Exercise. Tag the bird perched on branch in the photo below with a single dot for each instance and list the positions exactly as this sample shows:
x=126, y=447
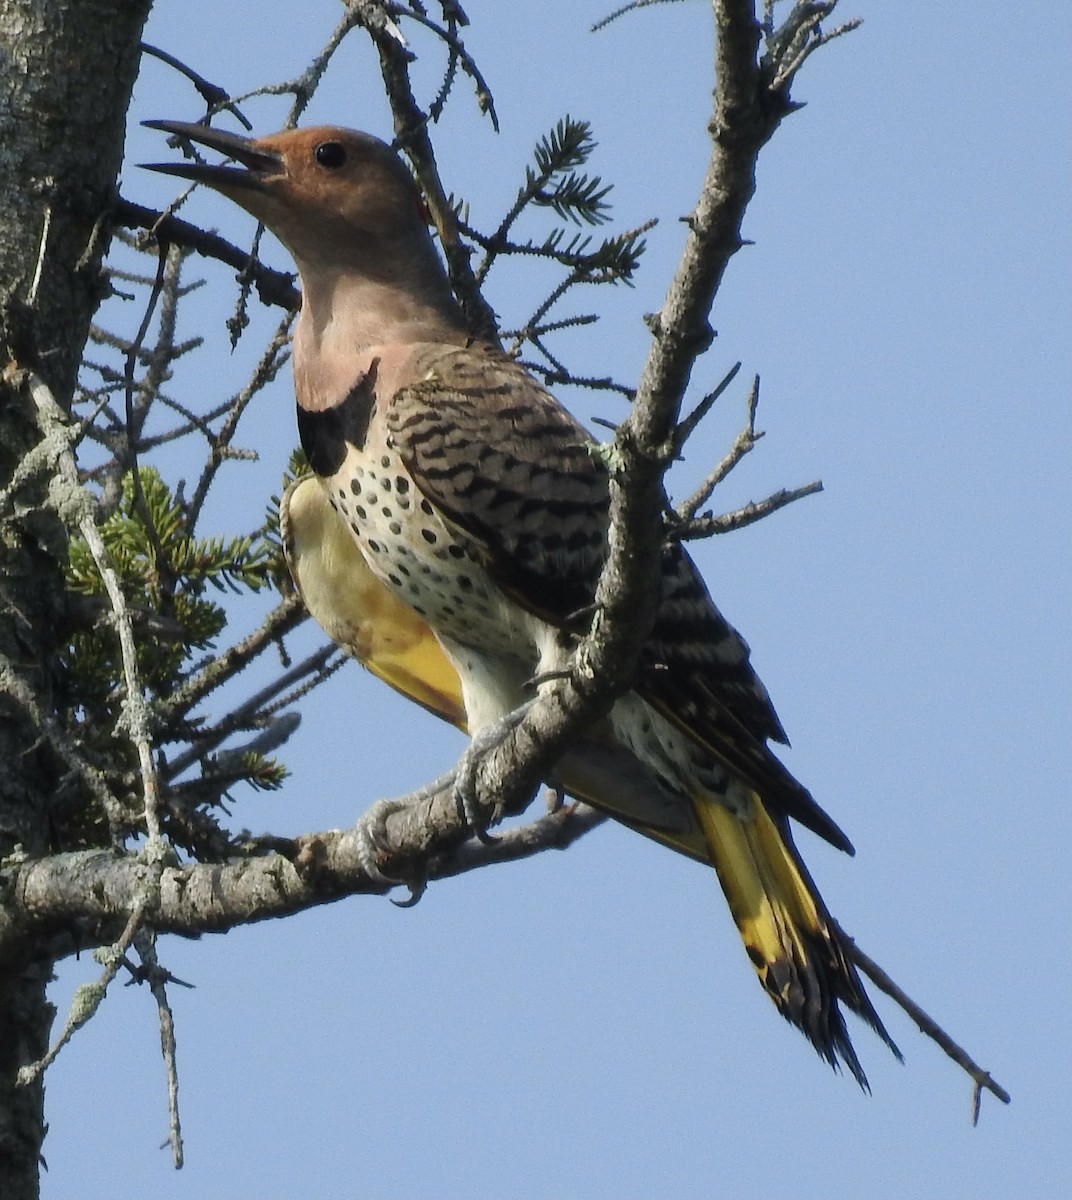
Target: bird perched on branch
x=476, y=516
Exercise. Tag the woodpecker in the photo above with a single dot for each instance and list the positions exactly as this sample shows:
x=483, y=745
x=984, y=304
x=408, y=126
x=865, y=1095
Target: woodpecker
x=473, y=499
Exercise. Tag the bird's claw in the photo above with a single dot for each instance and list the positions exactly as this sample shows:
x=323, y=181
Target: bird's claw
x=465, y=776
x=370, y=834
x=417, y=888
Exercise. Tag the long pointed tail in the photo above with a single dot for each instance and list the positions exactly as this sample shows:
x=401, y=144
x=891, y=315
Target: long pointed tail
x=799, y=957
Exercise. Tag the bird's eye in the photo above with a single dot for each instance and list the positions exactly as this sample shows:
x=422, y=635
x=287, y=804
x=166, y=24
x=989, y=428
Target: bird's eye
x=330, y=155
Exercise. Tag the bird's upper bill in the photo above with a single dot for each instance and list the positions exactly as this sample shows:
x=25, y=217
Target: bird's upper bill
x=258, y=163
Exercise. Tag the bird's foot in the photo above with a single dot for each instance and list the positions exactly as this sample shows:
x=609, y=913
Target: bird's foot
x=371, y=835
x=465, y=792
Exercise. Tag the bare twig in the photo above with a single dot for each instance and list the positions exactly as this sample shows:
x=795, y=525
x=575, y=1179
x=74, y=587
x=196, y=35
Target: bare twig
x=411, y=134
x=303, y=87
x=742, y=445
x=556, y=830
x=603, y=22
x=555, y=375
x=133, y=425
x=283, y=619
x=747, y=514
x=89, y=997
x=275, y=695
x=687, y=425
x=808, y=41
x=213, y=95
x=157, y=978
x=927, y=1025
x=459, y=54
x=275, y=356
x=195, y=422
x=273, y=287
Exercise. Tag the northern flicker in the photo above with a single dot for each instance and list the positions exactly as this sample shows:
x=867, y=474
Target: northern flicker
x=474, y=499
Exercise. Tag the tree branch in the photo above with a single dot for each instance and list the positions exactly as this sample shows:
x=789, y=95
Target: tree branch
x=283, y=619
x=927, y=1025
x=90, y=895
x=157, y=978
x=78, y=503
x=273, y=287
x=747, y=514
x=89, y=997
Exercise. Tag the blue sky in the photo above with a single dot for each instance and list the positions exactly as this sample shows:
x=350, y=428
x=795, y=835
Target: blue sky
x=585, y=1024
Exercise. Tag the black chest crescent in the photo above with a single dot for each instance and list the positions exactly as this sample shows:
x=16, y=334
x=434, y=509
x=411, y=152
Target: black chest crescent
x=324, y=435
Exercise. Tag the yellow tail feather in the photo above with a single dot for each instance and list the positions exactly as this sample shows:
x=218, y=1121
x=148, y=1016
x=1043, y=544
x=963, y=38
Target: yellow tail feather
x=782, y=921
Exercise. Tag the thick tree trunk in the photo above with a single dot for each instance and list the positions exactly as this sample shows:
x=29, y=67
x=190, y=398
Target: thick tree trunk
x=68, y=68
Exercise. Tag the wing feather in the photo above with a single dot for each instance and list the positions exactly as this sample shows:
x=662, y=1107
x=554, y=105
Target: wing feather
x=498, y=455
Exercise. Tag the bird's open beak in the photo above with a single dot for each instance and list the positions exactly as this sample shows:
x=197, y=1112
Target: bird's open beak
x=257, y=165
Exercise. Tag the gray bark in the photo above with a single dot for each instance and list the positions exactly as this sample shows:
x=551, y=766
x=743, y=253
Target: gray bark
x=66, y=71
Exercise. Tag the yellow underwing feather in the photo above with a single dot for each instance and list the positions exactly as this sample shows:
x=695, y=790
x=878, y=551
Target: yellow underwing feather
x=356, y=611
